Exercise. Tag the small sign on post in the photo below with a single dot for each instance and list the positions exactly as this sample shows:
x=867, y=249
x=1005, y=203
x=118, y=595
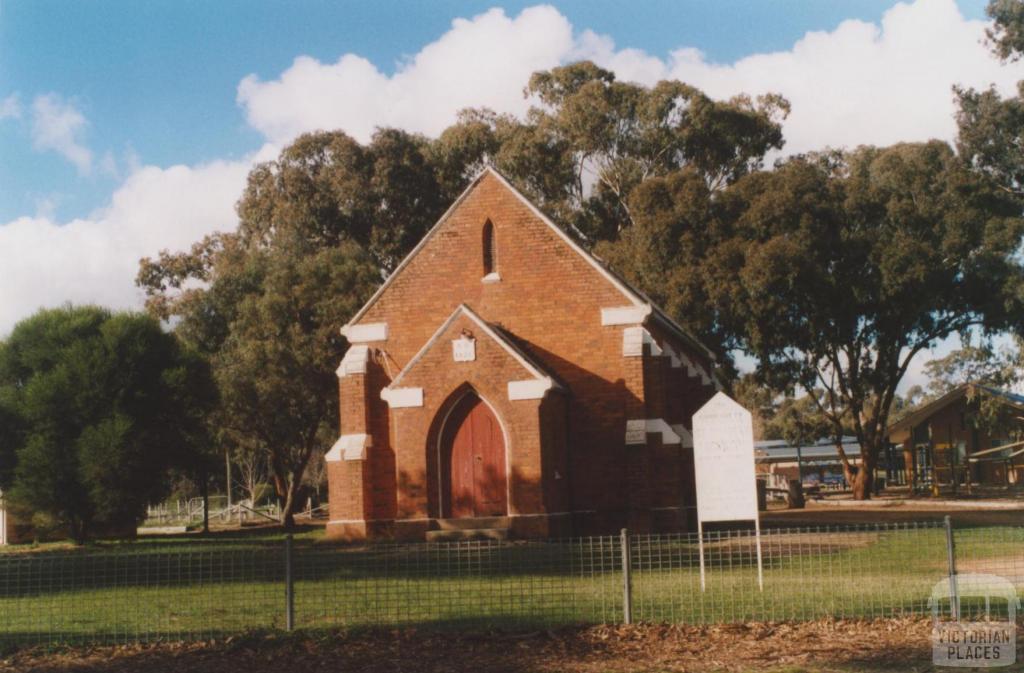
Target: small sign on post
x=723, y=456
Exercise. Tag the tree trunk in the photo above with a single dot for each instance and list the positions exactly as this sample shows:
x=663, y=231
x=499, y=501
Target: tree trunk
x=76, y=529
x=288, y=483
x=204, y=491
x=863, y=480
x=862, y=483
x=795, y=495
x=290, y=502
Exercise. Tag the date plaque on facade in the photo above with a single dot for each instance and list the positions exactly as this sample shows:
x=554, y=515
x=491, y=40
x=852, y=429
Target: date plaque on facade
x=464, y=349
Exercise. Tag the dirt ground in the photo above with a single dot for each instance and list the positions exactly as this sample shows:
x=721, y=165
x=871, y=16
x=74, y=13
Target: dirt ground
x=810, y=647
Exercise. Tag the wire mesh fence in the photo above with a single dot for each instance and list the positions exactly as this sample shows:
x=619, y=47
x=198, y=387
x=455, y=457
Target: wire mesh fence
x=465, y=583
x=139, y=596
x=143, y=593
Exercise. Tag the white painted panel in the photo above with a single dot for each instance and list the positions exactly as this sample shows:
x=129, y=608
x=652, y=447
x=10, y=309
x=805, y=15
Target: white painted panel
x=695, y=369
x=373, y=331
x=635, y=338
x=354, y=362
x=673, y=356
x=649, y=340
x=530, y=389
x=400, y=398
x=685, y=436
x=723, y=451
x=636, y=431
x=633, y=341
x=624, y=315
x=349, y=447
x=668, y=434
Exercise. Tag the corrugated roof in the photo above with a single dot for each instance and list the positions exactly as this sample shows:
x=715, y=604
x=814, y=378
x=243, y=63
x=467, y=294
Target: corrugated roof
x=779, y=450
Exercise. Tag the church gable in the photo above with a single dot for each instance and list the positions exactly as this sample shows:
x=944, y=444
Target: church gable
x=498, y=327
x=464, y=344
x=495, y=251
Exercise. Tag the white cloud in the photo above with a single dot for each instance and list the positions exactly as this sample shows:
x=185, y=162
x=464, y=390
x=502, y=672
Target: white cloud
x=861, y=83
x=484, y=61
x=44, y=263
x=58, y=125
x=10, y=107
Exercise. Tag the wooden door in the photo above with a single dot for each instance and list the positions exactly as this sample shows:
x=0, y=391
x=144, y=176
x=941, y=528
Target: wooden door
x=475, y=450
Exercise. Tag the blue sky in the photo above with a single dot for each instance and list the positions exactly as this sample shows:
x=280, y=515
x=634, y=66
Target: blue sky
x=127, y=128
x=156, y=80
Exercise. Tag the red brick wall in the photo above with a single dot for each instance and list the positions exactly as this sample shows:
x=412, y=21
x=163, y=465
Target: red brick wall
x=549, y=299
x=683, y=395
x=416, y=430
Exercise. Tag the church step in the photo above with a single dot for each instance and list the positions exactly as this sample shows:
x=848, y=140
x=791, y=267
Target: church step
x=465, y=534
x=470, y=523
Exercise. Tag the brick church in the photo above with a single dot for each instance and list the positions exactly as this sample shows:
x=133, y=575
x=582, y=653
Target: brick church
x=503, y=379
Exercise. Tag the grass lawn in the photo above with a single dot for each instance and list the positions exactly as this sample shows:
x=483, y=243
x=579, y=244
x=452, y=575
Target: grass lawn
x=157, y=589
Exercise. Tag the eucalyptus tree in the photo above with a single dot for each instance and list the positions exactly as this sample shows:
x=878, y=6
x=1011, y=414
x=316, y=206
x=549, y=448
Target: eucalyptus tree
x=836, y=270
x=991, y=127
x=316, y=228
x=619, y=134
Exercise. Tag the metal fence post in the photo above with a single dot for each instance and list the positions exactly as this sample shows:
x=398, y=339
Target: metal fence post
x=954, y=593
x=627, y=578
x=289, y=585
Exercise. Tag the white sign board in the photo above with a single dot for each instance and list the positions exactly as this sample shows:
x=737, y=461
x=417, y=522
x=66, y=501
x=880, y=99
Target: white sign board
x=723, y=455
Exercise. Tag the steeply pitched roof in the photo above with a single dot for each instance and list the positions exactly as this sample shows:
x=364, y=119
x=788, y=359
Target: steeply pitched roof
x=633, y=295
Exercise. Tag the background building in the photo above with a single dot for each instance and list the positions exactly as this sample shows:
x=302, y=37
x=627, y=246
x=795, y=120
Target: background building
x=969, y=435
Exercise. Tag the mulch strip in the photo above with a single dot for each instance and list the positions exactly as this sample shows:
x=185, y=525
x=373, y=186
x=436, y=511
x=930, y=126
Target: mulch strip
x=825, y=645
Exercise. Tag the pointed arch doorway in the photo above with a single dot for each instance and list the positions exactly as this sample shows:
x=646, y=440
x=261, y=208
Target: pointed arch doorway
x=473, y=476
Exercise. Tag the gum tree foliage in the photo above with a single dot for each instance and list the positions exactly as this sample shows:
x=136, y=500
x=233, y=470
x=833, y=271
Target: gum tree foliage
x=989, y=367
x=599, y=155
x=835, y=270
x=775, y=415
x=1006, y=36
x=618, y=134
x=991, y=128
x=316, y=227
x=991, y=140
x=272, y=298
x=102, y=406
x=799, y=421
x=982, y=363
x=322, y=224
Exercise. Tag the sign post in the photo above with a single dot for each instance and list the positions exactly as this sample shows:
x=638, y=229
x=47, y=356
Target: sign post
x=723, y=456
